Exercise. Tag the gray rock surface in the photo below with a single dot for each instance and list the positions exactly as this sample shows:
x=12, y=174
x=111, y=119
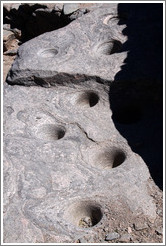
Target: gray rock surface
x=159, y=231
x=140, y=226
x=68, y=172
x=112, y=236
x=83, y=50
x=60, y=168
x=125, y=238
x=69, y=8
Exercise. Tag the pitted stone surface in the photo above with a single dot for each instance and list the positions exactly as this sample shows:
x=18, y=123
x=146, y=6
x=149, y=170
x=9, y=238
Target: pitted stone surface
x=68, y=172
x=52, y=184
x=84, y=49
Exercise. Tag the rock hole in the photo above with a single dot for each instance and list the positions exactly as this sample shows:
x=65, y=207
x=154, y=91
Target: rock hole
x=110, y=158
x=84, y=214
x=127, y=114
x=49, y=53
x=109, y=47
x=88, y=98
x=51, y=132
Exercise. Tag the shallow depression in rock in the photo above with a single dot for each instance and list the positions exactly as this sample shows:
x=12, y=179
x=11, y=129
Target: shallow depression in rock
x=109, y=158
x=51, y=132
x=84, y=214
x=48, y=53
x=88, y=99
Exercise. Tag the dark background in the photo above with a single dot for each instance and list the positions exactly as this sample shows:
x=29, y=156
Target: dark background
x=136, y=95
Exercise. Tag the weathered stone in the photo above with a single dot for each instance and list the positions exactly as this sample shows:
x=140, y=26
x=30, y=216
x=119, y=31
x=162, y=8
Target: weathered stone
x=69, y=8
x=112, y=236
x=125, y=238
x=72, y=51
x=129, y=230
x=96, y=38
x=58, y=6
x=35, y=19
x=7, y=35
x=6, y=26
x=62, y=164
x=78, y=14
x=10, y=52
x=64, y=160
x=140, y=226
x=8, y=38
x=9, y=6
x=159, y=231
x=83, y=240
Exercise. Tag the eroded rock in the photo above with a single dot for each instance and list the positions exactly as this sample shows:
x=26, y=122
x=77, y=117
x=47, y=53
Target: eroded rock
x=53, y=151
x=83, y=50
x=68, y=172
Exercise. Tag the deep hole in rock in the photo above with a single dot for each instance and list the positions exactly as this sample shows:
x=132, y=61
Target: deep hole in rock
x=119, y=158
x=51, y=132
x=128, y=114
x=110, y=158
x=84, y=214
x=109, y=47
x=88, y=98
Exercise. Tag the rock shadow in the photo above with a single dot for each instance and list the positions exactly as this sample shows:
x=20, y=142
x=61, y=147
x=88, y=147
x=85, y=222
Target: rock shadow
x=35, y=19
x=136, y=95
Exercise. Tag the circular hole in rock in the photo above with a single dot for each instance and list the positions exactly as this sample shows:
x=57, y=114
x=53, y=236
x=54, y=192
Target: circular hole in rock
x=84, y=214
x=109, y=47
x=88, y=98
x=110, y=158
x=127, y=114
x=51, y=132
x=48, y=53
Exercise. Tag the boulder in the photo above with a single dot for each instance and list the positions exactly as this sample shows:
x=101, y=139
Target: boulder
x=83, y=50
x=64, y=161
x=68, y=171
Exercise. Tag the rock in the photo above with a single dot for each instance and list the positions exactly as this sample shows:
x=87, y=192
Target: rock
x=7, y=62
x=85, y=222
x=6, y=27
x=159, y=231
x=82, y=240
x=15, y=6
x=69, y=8
x=86, y=240
x=47, y=17
x=103, y=241
x=129, y=230
x=140, y=226
x=112, y=236
x=55, y=151
x=75, y=53
x=160, y=212
x=125, y=238
x=10, y=52
x=64, y=159
x=58, y=7
x=78, y=14
x=8, y=38
x=9, y=6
